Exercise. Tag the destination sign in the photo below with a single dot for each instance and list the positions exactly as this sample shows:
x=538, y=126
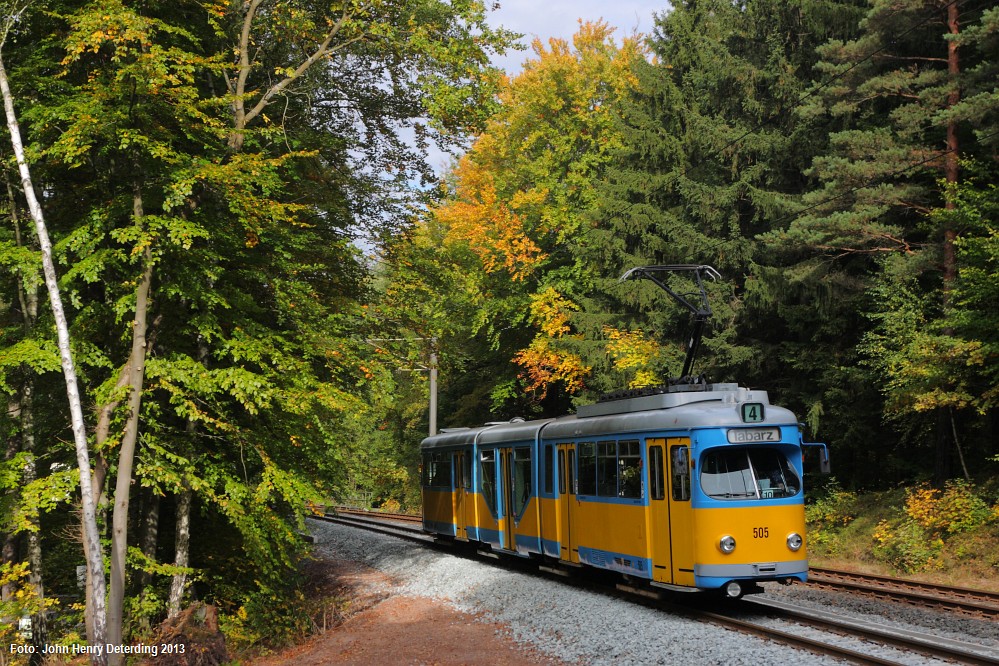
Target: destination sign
x=748, y=435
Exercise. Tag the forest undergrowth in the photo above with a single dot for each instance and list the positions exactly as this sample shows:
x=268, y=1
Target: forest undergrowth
x=944, y=535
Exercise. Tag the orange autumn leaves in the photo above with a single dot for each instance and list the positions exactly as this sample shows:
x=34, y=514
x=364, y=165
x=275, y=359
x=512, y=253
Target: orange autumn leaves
x=543, y=362
x=490, y=227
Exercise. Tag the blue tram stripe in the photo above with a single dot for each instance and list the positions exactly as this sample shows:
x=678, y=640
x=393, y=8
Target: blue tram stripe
x=439, y=527
x=629, y=564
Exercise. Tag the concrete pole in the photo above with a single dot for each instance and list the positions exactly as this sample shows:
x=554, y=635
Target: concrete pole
x=433, y=391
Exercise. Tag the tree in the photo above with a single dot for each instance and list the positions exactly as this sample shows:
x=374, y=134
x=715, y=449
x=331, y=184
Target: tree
x=712, y=162
x=907, y=94
x=212, y=286
x=95, y=562
x=512, y=214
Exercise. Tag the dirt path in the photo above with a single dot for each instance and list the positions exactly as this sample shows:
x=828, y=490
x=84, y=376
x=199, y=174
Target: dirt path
x=384, y=628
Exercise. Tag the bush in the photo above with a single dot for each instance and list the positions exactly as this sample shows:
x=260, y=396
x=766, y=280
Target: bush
x=957, y=509
x=906, y=546
x=23, y=602
x=916, y=540
x=268, y=618
x=829, y=514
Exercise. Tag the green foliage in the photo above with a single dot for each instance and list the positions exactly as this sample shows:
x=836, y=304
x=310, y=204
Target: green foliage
x=42, y=495
x=38, y=355
x=829, y=513
x=907, y=546
x=256, y=375
x=23, y=601
x=924, y=365
x=976, y=205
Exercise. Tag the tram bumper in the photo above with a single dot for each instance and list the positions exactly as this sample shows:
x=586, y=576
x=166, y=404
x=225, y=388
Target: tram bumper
x=711, y=576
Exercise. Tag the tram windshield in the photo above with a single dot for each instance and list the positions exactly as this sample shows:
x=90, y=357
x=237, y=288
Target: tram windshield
x=748, y=473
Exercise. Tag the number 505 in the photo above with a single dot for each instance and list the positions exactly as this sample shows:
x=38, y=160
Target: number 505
x=761, y=532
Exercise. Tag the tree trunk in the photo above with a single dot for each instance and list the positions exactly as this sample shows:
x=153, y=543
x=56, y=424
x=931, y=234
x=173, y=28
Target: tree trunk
x=39, y=625
x=951, y=174
x=182, y=546
x=10, y=541
x=95, y=559
x=182, y=540
x=8, y=553
x=28, y=298
x=951, y=163
x=150, y=536
x=126, y=455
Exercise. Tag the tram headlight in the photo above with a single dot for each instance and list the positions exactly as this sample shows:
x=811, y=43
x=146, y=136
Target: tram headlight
x=794, y=541
x=727, y=544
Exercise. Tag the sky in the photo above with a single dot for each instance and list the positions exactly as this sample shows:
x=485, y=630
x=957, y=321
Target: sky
x=559, y=18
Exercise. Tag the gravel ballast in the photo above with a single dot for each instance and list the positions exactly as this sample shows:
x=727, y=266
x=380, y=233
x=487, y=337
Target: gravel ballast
x=580, y=626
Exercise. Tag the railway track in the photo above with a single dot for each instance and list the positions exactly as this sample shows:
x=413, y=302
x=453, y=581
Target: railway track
x=361, y=520
x=899, y=639
x=832, y=634
x=974, y=603
x=363, y=513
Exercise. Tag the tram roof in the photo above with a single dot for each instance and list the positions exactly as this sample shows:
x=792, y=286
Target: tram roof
x=716, y=406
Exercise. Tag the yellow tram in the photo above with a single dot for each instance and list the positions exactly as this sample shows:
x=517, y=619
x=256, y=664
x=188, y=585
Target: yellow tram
x=698, y=486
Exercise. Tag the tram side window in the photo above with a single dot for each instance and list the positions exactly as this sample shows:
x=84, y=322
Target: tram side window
x=549, y=469
x=561, y=472
x=487, y=472
x=437, y=469
x=629, y=460
x=521, y=479
x=587, y=477
x=607, y=469
x=658, y=488
x=466, y=470
x=681, y=473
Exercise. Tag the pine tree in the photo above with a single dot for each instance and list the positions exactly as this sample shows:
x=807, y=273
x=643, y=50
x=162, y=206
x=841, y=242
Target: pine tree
x=909, y=96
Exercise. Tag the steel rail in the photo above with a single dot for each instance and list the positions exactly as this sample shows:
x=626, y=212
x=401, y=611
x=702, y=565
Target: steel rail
x=355, y=511
x=979, y=603
x=959, y=651
x=381, y=527
x=812, y=645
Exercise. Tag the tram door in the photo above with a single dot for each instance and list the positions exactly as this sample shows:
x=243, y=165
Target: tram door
x=507, y=513
x=462, y=485
x=568, y=505
x=658, y=527
x=681, y=516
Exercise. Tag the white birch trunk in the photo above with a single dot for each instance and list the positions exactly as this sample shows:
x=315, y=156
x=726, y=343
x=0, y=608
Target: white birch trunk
x=92, y=542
